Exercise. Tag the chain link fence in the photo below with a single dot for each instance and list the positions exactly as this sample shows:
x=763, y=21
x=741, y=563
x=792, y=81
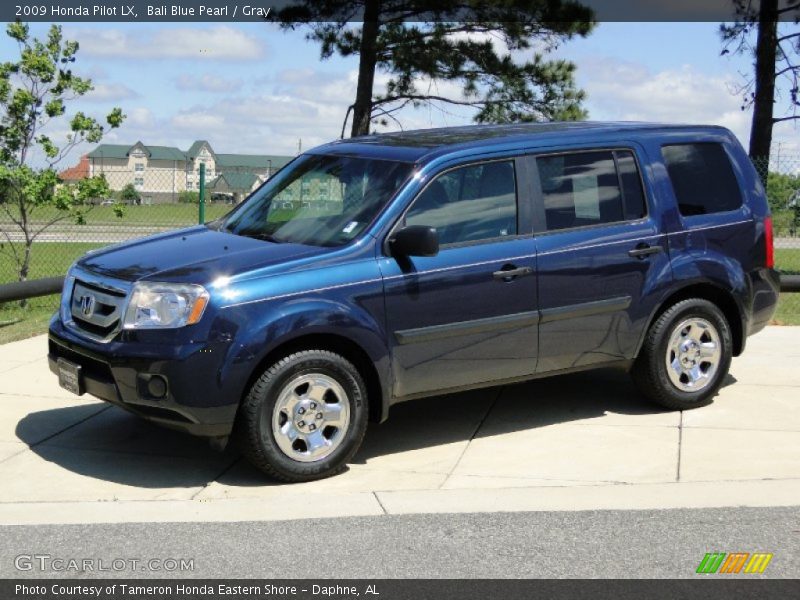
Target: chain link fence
x=141, y=203
x=781, y=177
x=146, y=197
x=160, y=194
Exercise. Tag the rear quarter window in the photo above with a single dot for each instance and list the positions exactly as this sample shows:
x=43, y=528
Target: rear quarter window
x=702, y=178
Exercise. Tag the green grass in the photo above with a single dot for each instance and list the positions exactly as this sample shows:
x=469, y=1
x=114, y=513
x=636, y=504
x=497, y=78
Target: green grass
x=176, y=215
x=18, y=323
x=48, y=259
x=788, y=312
x=787, y=260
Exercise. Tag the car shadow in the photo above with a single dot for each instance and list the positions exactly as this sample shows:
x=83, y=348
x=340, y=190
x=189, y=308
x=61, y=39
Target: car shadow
x=118, y=447
x=585, y=397
x=115, y=446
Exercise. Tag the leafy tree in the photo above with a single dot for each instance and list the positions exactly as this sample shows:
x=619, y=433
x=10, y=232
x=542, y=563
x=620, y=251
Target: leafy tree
x=128, y=194
x=431, y=41
x=781, y=189
x=783, y=192
x=776, y=57
x=34, y=91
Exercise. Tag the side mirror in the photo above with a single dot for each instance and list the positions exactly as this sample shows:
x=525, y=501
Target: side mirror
x=415, y=240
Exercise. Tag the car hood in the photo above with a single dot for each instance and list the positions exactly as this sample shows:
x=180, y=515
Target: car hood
x=194, y=255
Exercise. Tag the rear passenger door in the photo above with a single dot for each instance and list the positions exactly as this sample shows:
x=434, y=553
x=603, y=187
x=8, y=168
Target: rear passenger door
x=601, y=256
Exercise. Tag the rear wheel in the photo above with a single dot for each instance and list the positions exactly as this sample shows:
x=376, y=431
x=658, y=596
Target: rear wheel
x=304, y=417
x=685, y=356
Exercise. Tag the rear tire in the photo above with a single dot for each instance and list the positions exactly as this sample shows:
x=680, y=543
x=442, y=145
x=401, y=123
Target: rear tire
x=304, y=418
x=685, y=356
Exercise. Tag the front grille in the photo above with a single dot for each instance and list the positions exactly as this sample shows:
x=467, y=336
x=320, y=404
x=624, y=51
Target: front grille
x=96, y=310
x=96, y=330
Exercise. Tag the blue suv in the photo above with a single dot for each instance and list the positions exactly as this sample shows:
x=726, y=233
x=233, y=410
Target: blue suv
x=379, y=269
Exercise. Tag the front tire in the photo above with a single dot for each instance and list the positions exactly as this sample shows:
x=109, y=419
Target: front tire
x=304, y=418
x=685, y=356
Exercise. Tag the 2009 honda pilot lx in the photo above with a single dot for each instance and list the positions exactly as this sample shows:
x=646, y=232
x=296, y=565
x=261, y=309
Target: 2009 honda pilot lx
x=378, y=269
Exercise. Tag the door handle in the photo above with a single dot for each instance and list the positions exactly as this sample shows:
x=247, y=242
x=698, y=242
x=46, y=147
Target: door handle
x=644, y=250
x=510, y=272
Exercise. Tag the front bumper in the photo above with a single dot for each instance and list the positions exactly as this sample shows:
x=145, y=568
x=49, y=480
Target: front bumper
x=194, y=401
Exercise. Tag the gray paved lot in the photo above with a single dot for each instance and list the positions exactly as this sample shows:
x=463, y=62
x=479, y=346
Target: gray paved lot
x=617, y=544
x=579, y=442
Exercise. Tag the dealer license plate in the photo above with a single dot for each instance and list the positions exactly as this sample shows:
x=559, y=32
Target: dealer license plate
x=69, y=376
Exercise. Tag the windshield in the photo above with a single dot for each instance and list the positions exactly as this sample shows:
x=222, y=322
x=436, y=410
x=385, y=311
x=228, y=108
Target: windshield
x=320, y=200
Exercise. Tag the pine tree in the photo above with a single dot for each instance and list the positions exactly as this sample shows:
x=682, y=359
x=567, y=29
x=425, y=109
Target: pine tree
x=478, y=44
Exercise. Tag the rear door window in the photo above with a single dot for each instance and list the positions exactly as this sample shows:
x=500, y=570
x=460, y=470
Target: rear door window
x=590, y=188
x=702, y=178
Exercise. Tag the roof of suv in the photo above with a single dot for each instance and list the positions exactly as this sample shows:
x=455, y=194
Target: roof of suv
x=429, y=143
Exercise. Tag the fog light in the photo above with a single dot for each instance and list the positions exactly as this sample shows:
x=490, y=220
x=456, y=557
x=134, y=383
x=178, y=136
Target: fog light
x=157, y=386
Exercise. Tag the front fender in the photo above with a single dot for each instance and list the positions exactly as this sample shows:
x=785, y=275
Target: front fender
x=271, y=325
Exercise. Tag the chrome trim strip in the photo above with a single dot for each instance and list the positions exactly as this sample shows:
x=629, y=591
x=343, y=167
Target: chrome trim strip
x=691, y=229
x=302, y=292
x=600, y=245
x=584, y=309
x=448, y=330
x=460, y=266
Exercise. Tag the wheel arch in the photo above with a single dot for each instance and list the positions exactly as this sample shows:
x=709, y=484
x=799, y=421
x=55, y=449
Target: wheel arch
x=339, y=344
x=715, y=294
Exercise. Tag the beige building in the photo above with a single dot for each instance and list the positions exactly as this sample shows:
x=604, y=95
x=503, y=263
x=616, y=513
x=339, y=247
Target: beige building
x=160, y=173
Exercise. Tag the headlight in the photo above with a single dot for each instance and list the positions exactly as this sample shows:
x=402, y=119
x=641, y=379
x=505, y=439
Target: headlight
x=165, y=305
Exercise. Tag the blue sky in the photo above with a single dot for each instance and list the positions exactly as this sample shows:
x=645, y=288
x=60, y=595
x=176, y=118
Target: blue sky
x=251, y=87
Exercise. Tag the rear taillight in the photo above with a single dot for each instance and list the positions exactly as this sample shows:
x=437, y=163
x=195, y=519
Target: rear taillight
x=770, y=249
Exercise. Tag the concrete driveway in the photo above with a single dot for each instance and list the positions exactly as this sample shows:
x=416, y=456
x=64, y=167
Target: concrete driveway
x=576, y=442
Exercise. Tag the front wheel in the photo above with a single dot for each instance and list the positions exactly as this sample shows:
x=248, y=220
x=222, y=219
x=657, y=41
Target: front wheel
x=685, y=356
x=304, y=418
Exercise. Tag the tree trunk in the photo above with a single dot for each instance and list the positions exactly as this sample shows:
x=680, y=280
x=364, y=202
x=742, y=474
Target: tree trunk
x=24, y=266
x=764, y=101
x=362, y=109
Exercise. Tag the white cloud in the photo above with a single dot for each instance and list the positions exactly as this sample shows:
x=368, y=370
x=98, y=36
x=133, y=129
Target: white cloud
x=207, y=83
x=139, y=117
x=291, y=105
x=268, y=123
x=110, y=92
x=220, y=42
x=629, y=91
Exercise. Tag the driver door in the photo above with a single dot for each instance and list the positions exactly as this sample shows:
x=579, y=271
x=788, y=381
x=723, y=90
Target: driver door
x=468, y=315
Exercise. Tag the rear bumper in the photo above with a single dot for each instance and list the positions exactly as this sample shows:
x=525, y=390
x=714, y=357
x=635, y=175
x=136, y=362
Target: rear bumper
x=766, y=289
x=122, y=381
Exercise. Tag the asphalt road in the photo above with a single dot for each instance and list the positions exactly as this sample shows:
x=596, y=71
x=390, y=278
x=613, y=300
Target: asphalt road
x=607, y=544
